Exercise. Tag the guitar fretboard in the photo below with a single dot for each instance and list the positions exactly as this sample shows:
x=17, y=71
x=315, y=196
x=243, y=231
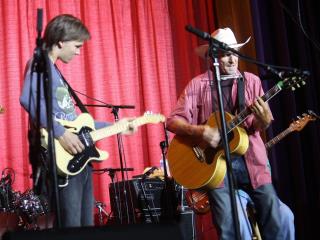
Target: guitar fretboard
x=277, y=139
x=119, y=127
x=109, y=131
x=237, y=120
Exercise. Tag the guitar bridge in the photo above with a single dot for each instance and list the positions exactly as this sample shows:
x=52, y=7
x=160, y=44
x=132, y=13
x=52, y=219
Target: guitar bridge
x=199, y=154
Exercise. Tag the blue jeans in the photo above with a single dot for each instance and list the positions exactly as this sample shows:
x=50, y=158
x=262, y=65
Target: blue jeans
x=77, y=201
x=265, y=199
x=286, y=218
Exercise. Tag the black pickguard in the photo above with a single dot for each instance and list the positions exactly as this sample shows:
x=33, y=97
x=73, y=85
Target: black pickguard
x=90, y=152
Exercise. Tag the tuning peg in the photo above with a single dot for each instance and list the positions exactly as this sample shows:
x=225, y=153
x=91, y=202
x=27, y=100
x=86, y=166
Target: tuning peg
x=313, y=114
x=303, y=83
x=298, y=117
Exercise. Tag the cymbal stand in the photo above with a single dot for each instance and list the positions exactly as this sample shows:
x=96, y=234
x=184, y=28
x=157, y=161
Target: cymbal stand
x=101, y=212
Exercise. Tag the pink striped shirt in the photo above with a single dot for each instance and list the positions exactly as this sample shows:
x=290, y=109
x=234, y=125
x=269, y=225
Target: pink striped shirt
x=194, y=105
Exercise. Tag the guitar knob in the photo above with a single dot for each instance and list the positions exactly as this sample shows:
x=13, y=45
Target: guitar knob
x=293, y=88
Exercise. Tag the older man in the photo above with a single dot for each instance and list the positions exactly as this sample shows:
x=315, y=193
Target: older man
x=188, y=120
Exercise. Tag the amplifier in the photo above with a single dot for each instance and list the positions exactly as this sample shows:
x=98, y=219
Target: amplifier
x=140, y=200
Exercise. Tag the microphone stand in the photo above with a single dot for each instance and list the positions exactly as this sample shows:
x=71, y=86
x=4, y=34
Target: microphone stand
x=41, y=64
x=168, y=191
x=213, y=52
x=214, y=46
x=115, y=111
x=117, y=203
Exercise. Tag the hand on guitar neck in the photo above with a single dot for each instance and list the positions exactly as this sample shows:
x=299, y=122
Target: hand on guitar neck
x=262, y=113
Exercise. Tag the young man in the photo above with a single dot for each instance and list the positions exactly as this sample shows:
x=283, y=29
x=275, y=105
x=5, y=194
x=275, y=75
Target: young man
x=188, y=120
x=63, y=38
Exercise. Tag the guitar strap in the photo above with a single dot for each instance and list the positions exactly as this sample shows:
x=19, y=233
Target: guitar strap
x=63, y=181
x=241, y=103
x=74, y=95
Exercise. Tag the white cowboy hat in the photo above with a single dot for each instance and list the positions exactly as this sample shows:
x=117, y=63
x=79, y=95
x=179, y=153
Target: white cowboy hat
x=224, y=35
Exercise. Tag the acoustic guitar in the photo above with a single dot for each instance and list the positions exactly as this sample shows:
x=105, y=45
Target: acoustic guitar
x=83, y=126
x=198, y=200
x=201, y=166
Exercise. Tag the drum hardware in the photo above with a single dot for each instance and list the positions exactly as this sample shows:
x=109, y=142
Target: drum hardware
x=102, y=213
x=27, y=205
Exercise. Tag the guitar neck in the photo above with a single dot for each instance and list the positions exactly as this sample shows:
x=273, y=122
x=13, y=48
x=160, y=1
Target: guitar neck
x=277, y=139
x=118, y=127
x=108, y=131
x=237, y=120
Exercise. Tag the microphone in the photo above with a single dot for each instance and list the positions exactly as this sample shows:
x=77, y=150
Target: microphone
x=38, y=61
x=39, y=20
x=207, y=37
x=203, y=35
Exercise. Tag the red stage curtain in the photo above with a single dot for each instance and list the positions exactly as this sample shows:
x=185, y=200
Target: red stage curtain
x=129, y=60
x=139, y=55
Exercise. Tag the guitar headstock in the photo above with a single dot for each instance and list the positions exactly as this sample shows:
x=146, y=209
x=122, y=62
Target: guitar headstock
x=294, y=81
x=299, y=124
x=153, y=118
x=1, y=109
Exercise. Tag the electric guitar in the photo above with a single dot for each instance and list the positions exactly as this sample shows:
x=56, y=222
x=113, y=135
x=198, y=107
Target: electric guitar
x=197, y=166
x=198, y=200
x=83, y=126
x=297, y=125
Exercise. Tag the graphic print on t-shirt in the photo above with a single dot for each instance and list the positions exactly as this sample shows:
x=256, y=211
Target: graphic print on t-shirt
x=65, y=104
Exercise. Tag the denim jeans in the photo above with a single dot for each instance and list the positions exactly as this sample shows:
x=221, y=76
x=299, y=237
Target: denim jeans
x=265, y=200
x=286, y=218
x=77, y=201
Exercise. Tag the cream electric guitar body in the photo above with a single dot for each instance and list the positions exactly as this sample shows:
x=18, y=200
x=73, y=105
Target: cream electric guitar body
x=83, y=126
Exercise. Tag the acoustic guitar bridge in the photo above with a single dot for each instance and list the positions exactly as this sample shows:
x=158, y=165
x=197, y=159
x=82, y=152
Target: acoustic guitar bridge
x=198, y=152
